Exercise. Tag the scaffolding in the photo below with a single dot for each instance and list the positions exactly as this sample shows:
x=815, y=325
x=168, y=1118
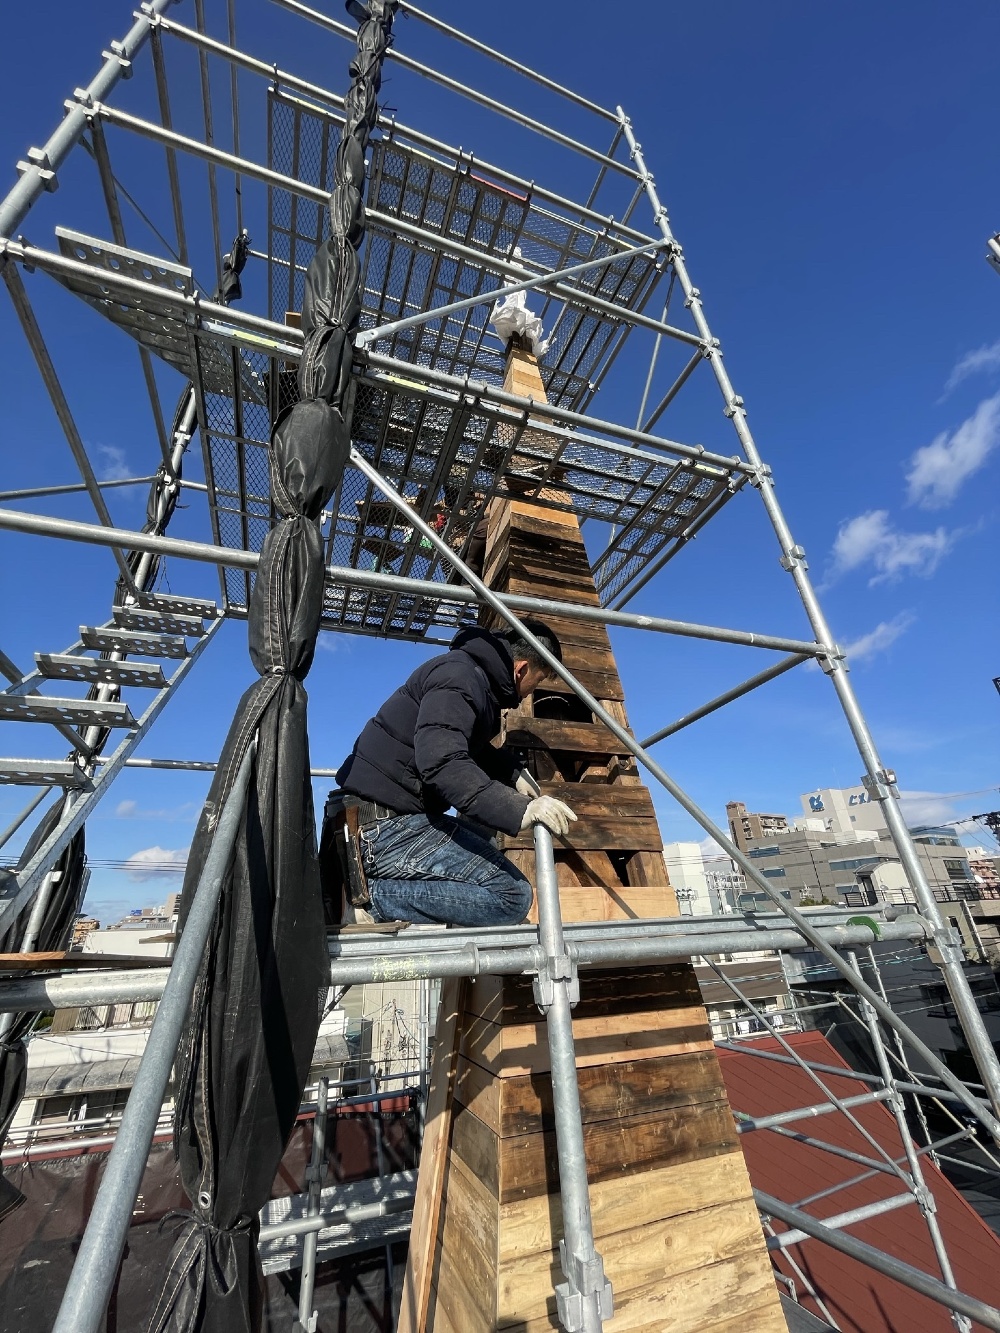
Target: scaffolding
x=436, y=440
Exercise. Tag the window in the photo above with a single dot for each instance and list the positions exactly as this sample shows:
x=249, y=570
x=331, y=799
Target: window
x=958, y=870
x=764, y=851
x=773, y=872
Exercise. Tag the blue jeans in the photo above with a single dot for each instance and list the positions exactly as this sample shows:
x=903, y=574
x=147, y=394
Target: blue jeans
x=433, y=868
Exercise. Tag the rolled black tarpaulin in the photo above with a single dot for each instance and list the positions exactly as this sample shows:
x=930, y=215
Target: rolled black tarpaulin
x=247, y=1046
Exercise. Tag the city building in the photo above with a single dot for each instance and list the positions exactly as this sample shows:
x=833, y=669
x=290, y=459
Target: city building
x=842, y=810
x=985, y=867
x=686, y=868
x=746, y=827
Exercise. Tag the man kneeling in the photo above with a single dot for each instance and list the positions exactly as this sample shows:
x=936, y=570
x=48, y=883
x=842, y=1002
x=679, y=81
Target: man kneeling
x=428, y=749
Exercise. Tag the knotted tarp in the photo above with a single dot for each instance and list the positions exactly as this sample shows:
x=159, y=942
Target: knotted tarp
x=249, y=1039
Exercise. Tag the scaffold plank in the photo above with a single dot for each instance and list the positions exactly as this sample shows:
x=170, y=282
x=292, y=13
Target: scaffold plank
x=135, y=644
x=72, y=712
x=67, y=666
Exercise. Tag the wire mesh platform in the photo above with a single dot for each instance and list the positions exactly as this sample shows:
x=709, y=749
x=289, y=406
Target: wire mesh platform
x=440, y=230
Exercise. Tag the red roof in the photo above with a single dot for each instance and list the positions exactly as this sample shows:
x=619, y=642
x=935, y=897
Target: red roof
x=860, y=1300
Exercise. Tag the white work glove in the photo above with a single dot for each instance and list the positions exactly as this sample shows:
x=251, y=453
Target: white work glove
x=526, y=784
x=555, y=815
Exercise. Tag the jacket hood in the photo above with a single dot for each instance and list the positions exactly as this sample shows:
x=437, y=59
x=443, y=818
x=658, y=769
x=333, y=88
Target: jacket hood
x=493, y=654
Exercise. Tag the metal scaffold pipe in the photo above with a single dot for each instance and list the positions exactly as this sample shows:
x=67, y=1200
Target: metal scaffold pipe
x=752, y=872
x=478, y=957
x=879, y=781
x=233, y=558
x=585, y=1300
x=92, y=1279
x=39, y=171
x=911, y=1277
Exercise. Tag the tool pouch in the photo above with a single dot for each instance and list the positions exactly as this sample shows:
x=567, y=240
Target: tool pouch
x=342, y=870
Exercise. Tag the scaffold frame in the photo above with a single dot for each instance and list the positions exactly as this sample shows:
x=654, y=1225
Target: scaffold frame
x=435, y=437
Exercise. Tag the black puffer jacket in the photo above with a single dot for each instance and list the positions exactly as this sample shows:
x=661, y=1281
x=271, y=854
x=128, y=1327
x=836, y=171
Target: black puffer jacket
x=428, y=746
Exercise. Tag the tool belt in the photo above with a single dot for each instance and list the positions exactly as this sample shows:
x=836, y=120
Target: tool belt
x=342, y=868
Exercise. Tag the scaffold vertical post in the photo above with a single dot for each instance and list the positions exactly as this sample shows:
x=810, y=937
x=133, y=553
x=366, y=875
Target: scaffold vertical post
x=585, y=1299
x=879, y=781
x=315, y=1175
x=925, y=1199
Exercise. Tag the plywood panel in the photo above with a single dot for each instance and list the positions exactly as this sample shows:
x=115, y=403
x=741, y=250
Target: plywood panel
x=736, y=1290
x=527, y=1225
x=637, y=1258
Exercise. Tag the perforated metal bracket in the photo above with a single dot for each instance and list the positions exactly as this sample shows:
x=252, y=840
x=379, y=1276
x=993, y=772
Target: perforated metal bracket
x=586, y=1286
x=558, y=969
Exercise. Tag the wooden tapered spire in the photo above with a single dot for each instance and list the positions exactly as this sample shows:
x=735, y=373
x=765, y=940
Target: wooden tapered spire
x=673, y=1212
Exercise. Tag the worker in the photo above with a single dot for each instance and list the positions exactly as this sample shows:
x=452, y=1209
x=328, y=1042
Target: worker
x=426, y=750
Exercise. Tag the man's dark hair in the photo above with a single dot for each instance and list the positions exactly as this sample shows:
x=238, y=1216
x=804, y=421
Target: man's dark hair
x=524, y=651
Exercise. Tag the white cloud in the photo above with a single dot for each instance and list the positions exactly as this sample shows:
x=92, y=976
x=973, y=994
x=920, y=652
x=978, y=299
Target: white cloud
x=132, y=810
x=871, y=539
x=938, y=470
x=927, y=807
x=112, y=464
x=877, y=640
x=155, y=863
x=982, y=360
x=710, y=849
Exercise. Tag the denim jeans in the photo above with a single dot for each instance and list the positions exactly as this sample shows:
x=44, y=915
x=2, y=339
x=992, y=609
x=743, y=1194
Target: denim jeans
x=434, y=868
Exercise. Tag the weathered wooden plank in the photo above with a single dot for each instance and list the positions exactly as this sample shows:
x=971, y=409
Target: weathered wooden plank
x=543, y=733
x=527, y=586
x=604, y=992
x=636, y=1258
x=527, y=1165
x=455, y=1305
x=523, y=1104
x=469, y=1229
x=624, y=833
x=433, y=1158
x=635, y=1038
x=613, y=800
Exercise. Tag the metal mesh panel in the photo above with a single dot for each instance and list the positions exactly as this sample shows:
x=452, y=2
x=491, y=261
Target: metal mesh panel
x=402, y=278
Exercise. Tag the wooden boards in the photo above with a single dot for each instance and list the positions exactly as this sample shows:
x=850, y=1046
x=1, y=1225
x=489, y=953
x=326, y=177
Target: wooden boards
x=673, y=1211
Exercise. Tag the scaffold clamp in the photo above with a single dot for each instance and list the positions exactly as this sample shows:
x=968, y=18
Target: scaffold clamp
x=558, y=968
x=586, y=1285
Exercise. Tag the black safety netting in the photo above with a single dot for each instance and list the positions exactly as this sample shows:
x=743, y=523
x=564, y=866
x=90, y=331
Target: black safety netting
x=246, y=1049
x=63, y=891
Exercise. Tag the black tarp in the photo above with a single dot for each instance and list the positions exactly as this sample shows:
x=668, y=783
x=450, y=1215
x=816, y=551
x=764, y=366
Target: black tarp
x=247, y=1044
x=64, y=900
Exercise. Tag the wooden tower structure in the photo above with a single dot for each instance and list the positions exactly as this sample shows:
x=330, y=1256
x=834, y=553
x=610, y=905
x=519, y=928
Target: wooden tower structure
x=674, y=1216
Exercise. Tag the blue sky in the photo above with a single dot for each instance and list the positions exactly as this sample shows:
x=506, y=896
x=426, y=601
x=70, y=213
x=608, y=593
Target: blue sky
x=831, y=173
